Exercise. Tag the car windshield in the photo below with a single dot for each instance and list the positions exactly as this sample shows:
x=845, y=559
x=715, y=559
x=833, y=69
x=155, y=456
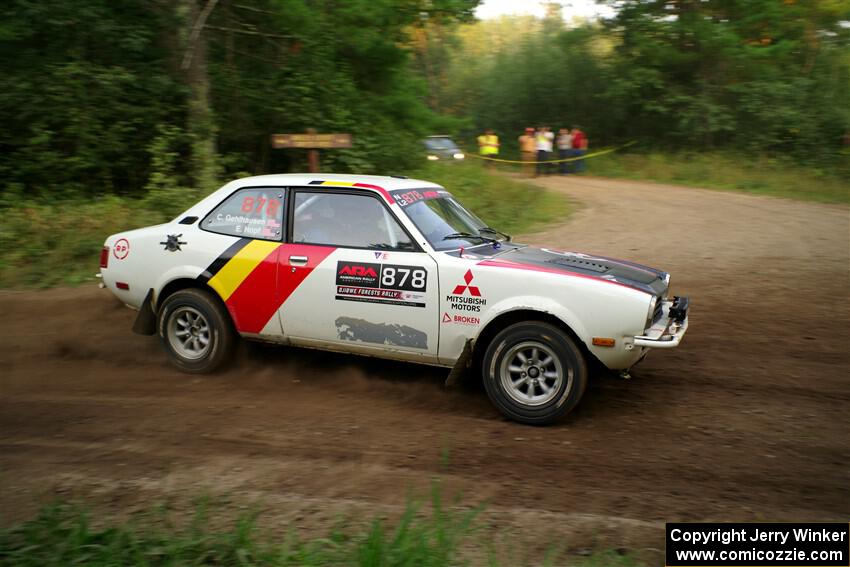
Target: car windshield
x=444, y=222
x=440, y=144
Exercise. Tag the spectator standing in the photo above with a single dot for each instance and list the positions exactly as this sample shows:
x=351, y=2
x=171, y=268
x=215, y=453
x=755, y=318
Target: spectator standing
x=544, y=139
x=527, y=148
x=565, y=147
x=579, y=148
x=488, y=145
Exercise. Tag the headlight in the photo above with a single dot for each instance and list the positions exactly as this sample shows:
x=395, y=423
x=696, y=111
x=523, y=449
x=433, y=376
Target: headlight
x=432, y=158
x=458, y=156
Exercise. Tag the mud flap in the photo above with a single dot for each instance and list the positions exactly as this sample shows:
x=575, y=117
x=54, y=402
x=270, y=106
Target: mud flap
x=145, y=323
x=461, y=365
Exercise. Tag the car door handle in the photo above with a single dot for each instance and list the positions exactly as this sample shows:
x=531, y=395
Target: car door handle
x=298, y=260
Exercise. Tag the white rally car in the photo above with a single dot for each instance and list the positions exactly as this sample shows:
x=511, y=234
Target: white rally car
x=394, y=268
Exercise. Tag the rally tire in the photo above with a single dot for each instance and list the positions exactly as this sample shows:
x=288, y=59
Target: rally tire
x=534, y=373
x=196, y=331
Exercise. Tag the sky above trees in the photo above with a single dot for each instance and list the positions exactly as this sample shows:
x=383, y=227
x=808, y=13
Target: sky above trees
x=582, y=9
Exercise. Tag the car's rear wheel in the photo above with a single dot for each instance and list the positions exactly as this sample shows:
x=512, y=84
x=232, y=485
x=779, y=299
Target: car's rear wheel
x=534, y=373
x=196, y=331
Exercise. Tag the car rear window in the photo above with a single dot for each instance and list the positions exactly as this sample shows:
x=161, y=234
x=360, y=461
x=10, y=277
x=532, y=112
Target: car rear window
x=253, y=212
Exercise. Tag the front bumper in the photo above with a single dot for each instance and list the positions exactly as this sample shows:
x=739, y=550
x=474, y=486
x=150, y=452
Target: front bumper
x=670, y=328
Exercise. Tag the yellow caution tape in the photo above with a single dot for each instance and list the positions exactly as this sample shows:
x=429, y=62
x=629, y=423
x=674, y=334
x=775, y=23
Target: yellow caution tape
x=586, y=156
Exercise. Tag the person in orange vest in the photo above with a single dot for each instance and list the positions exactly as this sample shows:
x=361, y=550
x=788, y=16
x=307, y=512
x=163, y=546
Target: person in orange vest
x=488, y=145
x=528, y=150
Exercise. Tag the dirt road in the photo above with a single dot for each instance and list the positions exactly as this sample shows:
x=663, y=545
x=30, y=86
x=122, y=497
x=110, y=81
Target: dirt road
x=747, y=420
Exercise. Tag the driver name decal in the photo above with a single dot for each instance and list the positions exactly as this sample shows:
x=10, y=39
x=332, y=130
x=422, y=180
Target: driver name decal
x=381, y=283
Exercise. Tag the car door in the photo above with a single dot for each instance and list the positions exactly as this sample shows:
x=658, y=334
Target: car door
x=363, y=284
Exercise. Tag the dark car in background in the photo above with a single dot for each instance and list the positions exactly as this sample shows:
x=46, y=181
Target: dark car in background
x=442, y=148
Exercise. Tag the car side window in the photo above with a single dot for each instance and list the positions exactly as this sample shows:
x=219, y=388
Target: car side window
x=254, y=212
x=346, y=220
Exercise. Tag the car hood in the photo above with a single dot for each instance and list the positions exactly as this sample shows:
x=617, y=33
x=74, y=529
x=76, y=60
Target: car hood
x=623, y=272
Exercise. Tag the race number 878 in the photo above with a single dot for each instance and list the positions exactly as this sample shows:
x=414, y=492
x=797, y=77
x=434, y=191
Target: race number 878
x=408, y=278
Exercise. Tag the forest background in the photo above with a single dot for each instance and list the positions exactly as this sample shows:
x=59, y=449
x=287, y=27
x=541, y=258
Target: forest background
x=114, y=114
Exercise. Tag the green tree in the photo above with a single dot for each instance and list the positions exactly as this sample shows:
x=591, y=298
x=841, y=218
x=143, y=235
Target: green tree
x=754, y=74
x=84, y=86
x=288, y=65
x=91, y=87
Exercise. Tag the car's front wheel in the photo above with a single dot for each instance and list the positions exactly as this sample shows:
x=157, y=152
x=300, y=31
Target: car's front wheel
x=534, y=373
x=196, y=331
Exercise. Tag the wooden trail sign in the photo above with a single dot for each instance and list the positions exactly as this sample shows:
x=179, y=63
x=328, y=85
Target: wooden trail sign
x=312, y=141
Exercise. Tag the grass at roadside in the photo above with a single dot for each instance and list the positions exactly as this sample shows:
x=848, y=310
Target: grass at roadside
x=65, y=535
x=48, y=244
x=42, y=245
x=763, y=176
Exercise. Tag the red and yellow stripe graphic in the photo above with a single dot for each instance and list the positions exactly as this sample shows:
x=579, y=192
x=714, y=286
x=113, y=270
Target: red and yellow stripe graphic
x=231, y=276
x=254, y=282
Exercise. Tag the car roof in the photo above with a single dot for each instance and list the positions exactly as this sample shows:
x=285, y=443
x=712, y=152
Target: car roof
x=381, y=184
x=386, y=182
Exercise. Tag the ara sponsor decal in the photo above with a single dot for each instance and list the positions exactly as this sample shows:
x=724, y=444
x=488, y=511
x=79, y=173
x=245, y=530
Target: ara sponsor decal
x=359, y=274
x=461, y=319
x=381, y=283
x=121, y=249
x=466, y=297
x=358, y=271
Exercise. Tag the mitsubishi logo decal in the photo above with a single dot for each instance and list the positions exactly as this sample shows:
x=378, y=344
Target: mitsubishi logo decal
x=473, y=290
